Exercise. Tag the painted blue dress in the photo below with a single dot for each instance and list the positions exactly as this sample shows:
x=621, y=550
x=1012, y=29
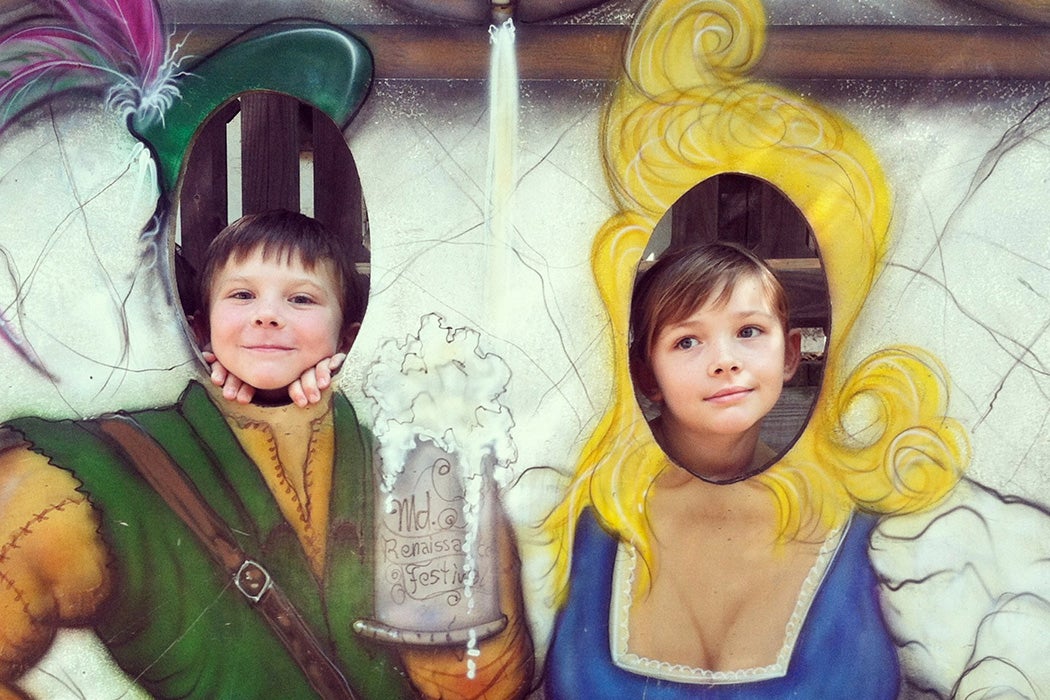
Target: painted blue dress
x=842, y=650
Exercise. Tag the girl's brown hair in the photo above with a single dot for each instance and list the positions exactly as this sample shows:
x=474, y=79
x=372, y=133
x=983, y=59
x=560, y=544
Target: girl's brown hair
x=687, y=278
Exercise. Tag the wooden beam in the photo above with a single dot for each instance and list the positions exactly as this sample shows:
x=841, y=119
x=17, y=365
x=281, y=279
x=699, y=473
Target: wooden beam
x=595, y=52
x=545, y=52
x=951, y=53
x=423, y=52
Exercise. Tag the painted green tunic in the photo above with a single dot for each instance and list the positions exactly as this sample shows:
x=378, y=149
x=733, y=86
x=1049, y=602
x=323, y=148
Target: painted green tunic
x=175, y=623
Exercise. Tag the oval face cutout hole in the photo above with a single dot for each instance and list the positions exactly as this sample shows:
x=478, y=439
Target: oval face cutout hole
x=263, y=151
x=754, y=214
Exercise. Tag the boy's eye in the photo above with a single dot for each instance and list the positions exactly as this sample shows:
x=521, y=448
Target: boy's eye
x=750, y=332
x=301, y=299
x=686, y=343
x=241, y=294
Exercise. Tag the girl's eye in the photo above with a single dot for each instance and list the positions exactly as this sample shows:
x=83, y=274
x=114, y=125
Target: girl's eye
x=750, y=332
x=301, y=299
x=241, y=294
x=686, y=343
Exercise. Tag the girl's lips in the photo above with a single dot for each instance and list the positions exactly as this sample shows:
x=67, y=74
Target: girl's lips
x=728, y=393
x=267, y=348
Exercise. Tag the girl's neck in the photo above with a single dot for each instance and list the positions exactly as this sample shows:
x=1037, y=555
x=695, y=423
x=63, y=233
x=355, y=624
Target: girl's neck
x=717, y=459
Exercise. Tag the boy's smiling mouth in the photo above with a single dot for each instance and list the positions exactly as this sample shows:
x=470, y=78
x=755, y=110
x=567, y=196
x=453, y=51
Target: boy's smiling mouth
x=268, y=348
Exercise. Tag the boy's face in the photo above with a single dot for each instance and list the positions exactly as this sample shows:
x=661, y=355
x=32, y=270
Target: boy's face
x=719, y=371
x=269, y=320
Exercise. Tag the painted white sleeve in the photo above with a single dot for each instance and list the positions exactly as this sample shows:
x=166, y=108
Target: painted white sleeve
x=965, y=591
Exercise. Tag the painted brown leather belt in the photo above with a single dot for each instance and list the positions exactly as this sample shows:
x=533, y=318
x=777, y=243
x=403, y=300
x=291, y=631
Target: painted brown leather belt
x=247, y=575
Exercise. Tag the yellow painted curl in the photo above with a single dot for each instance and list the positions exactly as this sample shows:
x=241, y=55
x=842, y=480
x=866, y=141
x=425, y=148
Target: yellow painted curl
x=686, y=111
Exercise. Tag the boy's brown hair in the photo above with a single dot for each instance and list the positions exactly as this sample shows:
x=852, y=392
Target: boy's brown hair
x=282, y=235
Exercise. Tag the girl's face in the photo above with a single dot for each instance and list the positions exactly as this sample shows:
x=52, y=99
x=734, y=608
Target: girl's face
x=272, y=319
x=720, y=370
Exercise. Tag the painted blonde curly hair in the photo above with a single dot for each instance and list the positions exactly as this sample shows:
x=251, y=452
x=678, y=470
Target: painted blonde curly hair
x=879, y=438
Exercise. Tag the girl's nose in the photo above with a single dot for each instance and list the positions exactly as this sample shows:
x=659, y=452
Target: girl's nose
x=721, y=368
x=723, y=361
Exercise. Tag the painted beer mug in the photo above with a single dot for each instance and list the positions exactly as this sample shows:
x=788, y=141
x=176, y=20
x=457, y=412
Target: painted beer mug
x=443, y=443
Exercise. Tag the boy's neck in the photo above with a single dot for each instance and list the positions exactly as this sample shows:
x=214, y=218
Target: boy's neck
x=271, y=397
x=263, y=404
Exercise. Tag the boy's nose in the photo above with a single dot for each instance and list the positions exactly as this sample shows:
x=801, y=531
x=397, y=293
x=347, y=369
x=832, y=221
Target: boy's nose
x=267, y=317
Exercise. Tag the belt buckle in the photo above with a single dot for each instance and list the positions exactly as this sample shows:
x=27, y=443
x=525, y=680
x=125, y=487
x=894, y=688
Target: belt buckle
x=252, y=580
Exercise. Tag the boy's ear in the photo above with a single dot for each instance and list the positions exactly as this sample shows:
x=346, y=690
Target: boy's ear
x=348, y=337
x=792, y=352
x=199, y=326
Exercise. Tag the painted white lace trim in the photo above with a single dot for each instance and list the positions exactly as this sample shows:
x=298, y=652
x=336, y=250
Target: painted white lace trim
x=623, y=584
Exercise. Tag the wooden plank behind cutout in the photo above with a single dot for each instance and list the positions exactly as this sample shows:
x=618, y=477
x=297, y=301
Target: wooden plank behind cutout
x=269, y=152
x=203, y=201
x=337, y=189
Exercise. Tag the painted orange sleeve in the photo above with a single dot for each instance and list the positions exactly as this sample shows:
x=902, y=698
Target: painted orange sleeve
x=9, y=693
x=53, y=569
x=504, y=668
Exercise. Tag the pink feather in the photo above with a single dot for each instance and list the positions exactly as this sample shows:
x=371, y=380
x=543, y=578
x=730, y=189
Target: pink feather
x=28, y=55
x=129, y=32
x=15, y=342
x=119, y=43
